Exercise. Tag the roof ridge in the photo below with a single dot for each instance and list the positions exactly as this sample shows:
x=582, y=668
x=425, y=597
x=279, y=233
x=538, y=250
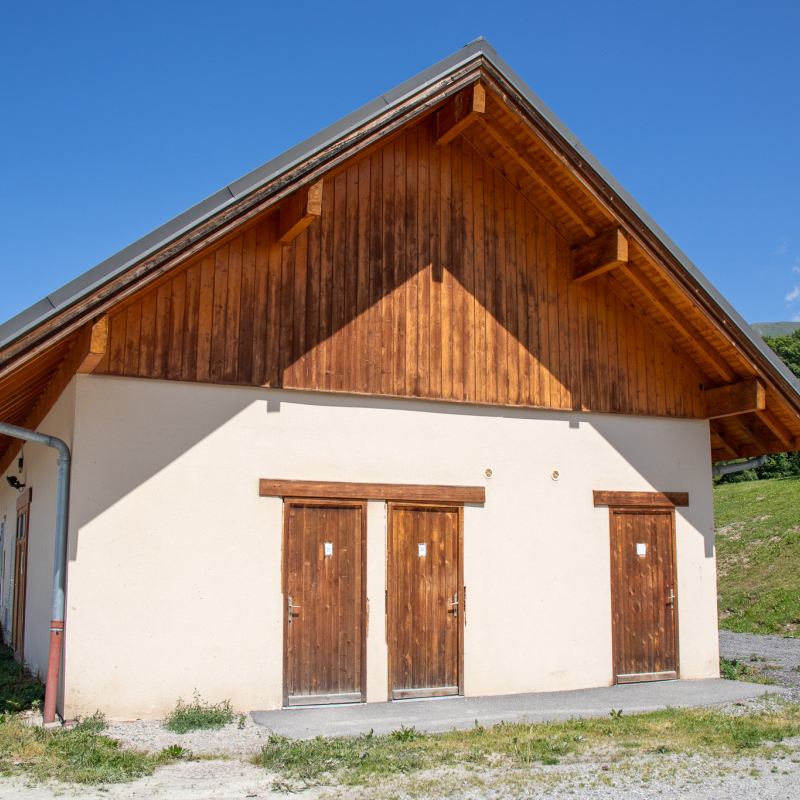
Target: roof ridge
x=106, y=270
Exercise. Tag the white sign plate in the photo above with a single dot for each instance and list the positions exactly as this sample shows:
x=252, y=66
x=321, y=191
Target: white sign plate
x=641, y=549
x=423, y=550
x=328, y=548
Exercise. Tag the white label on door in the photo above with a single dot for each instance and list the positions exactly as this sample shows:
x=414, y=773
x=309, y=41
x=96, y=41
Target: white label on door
x=423, y=549
x=641, y=549
x=328, y=548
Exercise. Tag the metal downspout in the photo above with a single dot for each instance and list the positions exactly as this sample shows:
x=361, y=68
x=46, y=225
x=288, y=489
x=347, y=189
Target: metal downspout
x=741, y=466
x=59, y=558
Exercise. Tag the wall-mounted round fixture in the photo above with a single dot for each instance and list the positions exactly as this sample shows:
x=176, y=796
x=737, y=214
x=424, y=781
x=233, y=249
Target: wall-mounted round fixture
x=555, y=474
x=488, y=472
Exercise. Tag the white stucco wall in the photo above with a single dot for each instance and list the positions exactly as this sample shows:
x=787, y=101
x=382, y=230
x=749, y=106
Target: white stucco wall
x=174, y=576
x=40, y=472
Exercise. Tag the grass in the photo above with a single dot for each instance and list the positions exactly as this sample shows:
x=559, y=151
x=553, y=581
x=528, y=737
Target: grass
x=199, y=715
x=758, y=556
x=81, y=755
x=361, y=760
x=734, y=670
x=19, y=689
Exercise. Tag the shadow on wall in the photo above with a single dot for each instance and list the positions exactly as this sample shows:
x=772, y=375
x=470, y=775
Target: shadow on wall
x=137, y=444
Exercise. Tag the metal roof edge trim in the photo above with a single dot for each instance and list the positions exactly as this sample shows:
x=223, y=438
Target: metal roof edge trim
x=155, y=240
x=140, y=249
x=714, y=294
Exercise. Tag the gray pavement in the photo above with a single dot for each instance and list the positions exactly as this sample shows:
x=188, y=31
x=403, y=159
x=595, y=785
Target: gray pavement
x=446, y=713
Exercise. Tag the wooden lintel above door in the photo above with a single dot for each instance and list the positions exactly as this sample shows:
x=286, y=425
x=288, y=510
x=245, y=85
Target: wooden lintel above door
x=398, y=492
x=641, y=499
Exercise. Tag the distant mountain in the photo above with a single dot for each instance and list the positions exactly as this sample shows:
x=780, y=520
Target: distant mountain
x=775, y=328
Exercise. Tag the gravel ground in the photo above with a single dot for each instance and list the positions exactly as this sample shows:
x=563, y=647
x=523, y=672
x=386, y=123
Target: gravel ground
x=764, y=653
x=667, y=777
x=229, y=740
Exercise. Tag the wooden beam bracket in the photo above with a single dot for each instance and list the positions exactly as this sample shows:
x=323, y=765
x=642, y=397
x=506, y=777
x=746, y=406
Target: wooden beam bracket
x=98, y=343
x=299, y=211
x=607, y=251
x=458, y=113
x=735, y=398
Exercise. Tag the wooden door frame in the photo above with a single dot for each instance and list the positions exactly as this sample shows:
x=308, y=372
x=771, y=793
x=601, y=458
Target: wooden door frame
x=18, y=643
x=321, y=502
x=635, y=508
x=462, y=590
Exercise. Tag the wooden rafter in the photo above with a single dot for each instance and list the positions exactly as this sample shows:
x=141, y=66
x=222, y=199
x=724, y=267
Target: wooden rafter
x=599, y=255
x=755, y=437
x=735, y=398
x=459, y=112
x=777, y=427
x=604, y=200
x=505, y=140
x=679, y=320
x=77, y=356
x=651, y=323
x=730, y=447
x=498, y=165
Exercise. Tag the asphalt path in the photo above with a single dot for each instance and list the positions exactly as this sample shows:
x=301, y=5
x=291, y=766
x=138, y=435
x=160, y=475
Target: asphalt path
x=446, y=713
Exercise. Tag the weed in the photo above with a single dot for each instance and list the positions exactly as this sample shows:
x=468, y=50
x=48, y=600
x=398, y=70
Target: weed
x=409, y=734
x=94, y=724
x=615, y=714
x=175, y=753
x=19, y=689
x=242, y=720
x=198, y=715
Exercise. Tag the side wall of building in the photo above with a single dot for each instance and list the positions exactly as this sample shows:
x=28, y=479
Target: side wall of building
x=40, y=473
x=175, y=560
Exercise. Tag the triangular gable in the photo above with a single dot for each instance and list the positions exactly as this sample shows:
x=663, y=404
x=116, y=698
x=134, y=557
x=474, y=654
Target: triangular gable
x=464, y=246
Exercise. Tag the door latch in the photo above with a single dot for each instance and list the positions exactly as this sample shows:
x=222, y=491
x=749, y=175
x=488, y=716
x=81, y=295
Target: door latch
x=290, y=609
x=453, y=607
x=671, y=598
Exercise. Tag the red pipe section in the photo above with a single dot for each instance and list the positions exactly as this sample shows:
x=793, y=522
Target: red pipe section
x=53, y=663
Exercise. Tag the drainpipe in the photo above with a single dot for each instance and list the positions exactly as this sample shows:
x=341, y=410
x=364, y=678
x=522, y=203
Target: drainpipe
x=740, y=466
x=59, y=558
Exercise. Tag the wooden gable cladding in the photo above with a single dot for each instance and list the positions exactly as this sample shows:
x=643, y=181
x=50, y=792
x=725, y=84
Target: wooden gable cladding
x=428, y=274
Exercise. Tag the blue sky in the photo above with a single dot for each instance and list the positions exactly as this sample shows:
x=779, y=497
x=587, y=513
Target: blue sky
x=116, y=117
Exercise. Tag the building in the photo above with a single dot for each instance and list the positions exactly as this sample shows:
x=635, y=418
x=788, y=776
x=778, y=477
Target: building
x=427, y=405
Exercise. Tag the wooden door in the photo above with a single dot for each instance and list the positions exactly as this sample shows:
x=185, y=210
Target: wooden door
x=425, y=609
x=20, y=573
x=324, y=602
x=643, y=595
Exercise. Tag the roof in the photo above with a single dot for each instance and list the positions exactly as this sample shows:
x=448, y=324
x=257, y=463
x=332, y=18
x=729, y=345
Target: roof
x=72, y=292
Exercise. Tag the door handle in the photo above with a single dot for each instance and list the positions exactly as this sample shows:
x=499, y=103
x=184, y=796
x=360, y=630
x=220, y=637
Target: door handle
x=452, y=608
x=290, y=608
x=671, y=599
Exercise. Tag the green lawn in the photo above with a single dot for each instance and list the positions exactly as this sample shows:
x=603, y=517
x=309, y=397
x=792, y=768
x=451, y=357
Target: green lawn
x=758, y=555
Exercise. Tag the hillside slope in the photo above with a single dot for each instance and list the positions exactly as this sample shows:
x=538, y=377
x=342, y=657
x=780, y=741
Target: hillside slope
x=775, y=328
x=758, y=555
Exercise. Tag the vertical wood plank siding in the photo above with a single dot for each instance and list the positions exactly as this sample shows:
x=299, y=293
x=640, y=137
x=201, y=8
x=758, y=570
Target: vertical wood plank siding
x=427, y=275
